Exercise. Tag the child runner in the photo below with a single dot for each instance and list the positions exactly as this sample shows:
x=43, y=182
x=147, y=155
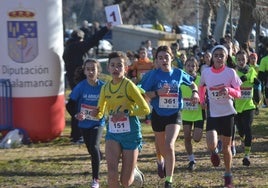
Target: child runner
x=192, y=115
x=245, y=106
x=123, y=102
x=207, y=61
x=83, y=99
x=263, y=75
x=257, y=94
x=162, y=85
x=222, y=84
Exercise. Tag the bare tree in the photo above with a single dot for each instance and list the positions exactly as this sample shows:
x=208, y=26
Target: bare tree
x=222, y=18
x=260, y=15
x=246, y=21
x=206, y=22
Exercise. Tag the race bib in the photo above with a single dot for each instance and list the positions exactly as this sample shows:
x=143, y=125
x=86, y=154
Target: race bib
x=214, y=93
x=121, y=126
x=246, y=93
x=87, y=109
x=188, y=105
x=169, y=101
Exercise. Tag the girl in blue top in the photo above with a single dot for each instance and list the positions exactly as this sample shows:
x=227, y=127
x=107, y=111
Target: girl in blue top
x=83, y=99
x=162, y=85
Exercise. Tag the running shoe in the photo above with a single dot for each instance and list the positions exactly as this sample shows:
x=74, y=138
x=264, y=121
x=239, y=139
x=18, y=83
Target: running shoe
x=138, y=178
x=215, y=159
x=191, y=166
x=140, y=172
x=228, y=182
x=161, y=169
x=95, y=183
x=246, y=161
x=168, y=184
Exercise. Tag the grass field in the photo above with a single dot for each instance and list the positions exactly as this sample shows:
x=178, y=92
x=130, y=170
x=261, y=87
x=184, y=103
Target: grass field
x=62, y=164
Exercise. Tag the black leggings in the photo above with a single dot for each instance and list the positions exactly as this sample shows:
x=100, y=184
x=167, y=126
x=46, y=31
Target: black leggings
x=92, y=138
x=244, y=121
x=75, y=131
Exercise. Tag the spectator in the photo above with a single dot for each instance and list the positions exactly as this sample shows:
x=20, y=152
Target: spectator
x=95, y=29
x=158, y=26
x=86, y=29
x=149, y=48
x=176, y=28
x=177, y=61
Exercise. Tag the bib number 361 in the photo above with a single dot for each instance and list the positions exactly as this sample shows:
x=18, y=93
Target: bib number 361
x=169, y=101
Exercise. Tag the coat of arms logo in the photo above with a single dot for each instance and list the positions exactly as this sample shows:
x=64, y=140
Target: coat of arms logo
x=22, y=36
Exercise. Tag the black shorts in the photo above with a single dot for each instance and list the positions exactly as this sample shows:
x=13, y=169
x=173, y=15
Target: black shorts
x=223, y=125
x=197, y=124
x=159, y=123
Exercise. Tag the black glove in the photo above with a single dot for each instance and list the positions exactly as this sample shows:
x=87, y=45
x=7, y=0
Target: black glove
x=256, y=81
x=243, y=78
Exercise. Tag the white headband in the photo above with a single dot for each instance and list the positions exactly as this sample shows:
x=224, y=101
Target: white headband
x=219, y=47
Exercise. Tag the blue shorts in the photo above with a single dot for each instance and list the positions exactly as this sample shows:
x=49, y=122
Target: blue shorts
x=130, y=140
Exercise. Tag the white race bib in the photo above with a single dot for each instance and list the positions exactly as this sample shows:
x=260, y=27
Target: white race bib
x=214, y=93
x=169, y=101
x=87, y=109
x=246, y=93
x=121, y=126
x=188, y=105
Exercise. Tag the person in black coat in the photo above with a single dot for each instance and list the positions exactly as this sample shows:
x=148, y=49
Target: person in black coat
x=76, y=47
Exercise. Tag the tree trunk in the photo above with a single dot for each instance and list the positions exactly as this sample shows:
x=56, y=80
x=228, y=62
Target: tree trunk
x=246, y=21
x=206, y=22
x=222, y=18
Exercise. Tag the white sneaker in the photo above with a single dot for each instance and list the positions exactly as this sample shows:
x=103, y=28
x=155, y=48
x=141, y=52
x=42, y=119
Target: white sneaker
x=138, y=178
x=95, y=183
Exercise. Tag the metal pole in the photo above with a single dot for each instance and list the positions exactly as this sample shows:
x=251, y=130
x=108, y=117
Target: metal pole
x=197, y=22
x=231, y=19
